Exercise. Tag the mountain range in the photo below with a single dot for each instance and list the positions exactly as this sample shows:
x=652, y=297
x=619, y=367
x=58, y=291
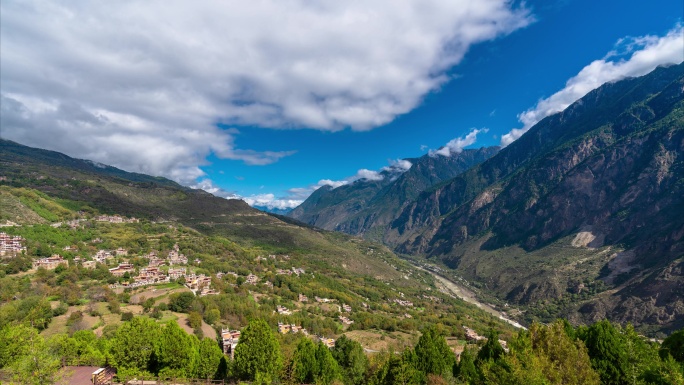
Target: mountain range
x=581, y=217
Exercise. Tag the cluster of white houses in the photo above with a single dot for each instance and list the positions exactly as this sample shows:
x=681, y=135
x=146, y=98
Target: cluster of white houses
x=50, y=263
x=11, y=245
x=403, y=302
x=116, y=219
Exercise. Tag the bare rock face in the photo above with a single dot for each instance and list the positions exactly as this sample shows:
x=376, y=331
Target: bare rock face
x=609, y=170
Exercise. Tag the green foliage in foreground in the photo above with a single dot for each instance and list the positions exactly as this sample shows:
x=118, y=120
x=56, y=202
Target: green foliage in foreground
x=553, y=354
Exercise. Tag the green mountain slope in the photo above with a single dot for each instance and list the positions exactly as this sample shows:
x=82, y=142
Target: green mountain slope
x=40, y=193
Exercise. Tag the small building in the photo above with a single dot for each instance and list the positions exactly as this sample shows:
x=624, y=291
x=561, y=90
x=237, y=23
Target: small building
x=11, y=245
x=230, y=340
x=252, y=279
x=50, y=263
x=283, y=310
x=122, y=269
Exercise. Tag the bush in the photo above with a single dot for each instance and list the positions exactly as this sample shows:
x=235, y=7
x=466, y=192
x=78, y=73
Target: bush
x=74, y=317
x=59, y=310
x=126, y=316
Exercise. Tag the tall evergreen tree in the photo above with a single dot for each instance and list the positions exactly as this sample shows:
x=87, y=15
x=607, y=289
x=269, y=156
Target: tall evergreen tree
x=304, y=364
x=177, y=352
x=433, y=354
x=209, y=359
x=327, y=368
x=135, y=344
x=465, y=369
x=258, y=353
x=403, y=369
x=351, y=357
x=607, y=349
x=492, y=349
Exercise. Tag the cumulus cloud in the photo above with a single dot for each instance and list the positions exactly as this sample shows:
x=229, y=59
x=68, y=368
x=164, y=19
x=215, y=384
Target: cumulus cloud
x=645, y=54
x=144, y=85
x=456, y=145
x=271, y=202
x=398, y=165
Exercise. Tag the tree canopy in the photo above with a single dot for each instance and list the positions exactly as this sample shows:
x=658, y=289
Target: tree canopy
x=258, y=352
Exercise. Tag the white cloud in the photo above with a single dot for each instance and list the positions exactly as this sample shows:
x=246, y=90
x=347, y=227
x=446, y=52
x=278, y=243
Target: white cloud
x=295, y=196
x=398, y=165
x=142, y=85
x=647, y=53
x=456, y=145
x=270, y=201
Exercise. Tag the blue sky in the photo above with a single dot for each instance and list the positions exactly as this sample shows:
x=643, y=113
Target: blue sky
x=210, y=122
x=495, y=82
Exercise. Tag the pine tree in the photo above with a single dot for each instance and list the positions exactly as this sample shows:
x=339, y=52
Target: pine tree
x=135, y=344
x=176, y=352
x=258, y=352
x=351, y=357
x=465, y=369
x=607, y=349
x=304, y=364
x=433, y=353
x=209, y=359
x=328, y=369
x=492, y=349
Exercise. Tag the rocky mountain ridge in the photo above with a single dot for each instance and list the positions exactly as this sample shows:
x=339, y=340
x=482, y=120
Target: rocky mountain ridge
x=582, y=217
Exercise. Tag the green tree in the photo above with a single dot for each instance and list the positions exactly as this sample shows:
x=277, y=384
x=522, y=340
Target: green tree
x=14, y=342
x=148, y=304
x=673, y=345
x=327, y=368
x=667, y=372
x=606, y=347
x=135, y=344
x=212, y=315
x=181, y=302
x=176, y=352
x=195, y=320
x=258, y=352
x=304, y=364
x=403, y=369
x=35, y=311
x=433, y=353
x=210, y=356
x=562, y=360
x=351, y=357
x=492, y=349
x=465, y=369
x=36, y=365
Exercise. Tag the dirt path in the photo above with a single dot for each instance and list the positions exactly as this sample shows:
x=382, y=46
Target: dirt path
x=468, y=296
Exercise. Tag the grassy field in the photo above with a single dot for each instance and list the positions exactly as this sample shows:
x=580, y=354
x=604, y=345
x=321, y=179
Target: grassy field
x=378, y=340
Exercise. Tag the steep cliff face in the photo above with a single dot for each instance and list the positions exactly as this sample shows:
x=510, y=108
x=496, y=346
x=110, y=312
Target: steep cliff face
x=367, y=207
x=612, y=163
